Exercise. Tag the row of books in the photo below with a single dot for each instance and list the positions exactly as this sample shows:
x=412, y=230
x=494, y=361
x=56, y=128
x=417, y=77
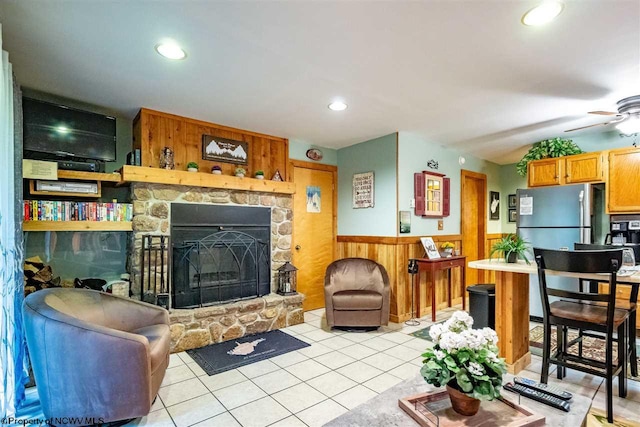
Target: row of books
x=133, y=157
x=47, y=210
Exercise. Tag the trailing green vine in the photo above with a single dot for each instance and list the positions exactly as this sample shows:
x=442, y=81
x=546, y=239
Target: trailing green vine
x=556, y=147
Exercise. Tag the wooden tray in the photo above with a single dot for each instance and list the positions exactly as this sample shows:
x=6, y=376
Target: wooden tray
x=434, y=409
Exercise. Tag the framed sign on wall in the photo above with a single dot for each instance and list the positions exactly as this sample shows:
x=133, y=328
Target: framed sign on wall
x=363, y=190
x=224, y=150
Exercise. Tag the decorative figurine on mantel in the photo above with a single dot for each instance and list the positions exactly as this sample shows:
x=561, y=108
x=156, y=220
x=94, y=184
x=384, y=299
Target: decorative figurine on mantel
x=277, y=176
x=166, y=158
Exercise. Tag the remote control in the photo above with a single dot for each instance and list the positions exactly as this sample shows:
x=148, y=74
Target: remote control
x=540, y=396
x=545, y=388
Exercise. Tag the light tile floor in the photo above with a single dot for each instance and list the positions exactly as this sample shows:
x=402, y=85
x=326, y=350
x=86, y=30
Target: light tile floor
x=311, y=386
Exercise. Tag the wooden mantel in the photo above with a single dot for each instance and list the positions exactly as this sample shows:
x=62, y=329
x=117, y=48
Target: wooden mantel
x=202, y=179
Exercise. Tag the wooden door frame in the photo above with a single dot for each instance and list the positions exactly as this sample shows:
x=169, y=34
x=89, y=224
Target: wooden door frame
x=482, y=226
x=320, y=167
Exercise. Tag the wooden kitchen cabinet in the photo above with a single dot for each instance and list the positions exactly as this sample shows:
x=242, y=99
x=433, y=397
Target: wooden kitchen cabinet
x=545, y=172
x=576, y=169
x=623, y=181
x=587, y=167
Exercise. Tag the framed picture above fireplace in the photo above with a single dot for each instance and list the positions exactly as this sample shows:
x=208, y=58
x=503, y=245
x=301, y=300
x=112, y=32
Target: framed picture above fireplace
x=224, y=150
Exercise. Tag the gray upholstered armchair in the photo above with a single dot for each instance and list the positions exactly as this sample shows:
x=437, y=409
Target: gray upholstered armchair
x=356, y=293
x=95, y=355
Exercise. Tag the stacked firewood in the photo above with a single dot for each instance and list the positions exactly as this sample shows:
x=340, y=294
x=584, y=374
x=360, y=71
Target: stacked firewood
x=38, y=276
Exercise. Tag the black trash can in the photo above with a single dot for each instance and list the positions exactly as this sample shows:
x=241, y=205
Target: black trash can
x=482, y=305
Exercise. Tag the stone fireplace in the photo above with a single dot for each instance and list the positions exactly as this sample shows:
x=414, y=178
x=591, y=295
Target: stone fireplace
x=212, y=253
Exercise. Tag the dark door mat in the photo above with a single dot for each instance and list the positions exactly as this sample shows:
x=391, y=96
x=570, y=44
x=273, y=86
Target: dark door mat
x=224, y=356
x=424, y=333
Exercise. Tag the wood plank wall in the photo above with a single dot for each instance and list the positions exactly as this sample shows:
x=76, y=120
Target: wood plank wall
x=154, y=130
x=394, y=254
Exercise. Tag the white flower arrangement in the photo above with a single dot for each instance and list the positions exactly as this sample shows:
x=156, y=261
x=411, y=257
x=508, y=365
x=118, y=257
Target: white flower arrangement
x=464, y=358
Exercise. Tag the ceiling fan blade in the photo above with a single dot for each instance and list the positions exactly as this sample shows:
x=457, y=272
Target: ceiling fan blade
x=618, y=119
x=603, y=113
x=590, y=126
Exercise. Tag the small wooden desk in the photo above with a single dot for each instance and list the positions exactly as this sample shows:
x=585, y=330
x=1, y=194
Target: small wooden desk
x=432, y=266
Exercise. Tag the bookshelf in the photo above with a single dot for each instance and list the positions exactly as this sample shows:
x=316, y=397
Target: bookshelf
x=77, y=226
x=89, y=176
x=99, y=178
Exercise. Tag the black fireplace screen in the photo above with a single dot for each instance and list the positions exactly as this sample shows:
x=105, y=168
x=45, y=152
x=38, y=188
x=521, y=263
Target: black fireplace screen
x=220, y=253
x=221, y=267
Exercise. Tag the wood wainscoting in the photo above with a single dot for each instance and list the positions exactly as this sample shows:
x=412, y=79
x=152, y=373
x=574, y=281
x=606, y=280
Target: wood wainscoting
x=154, y=130
x=394, y=254
x=487, y=275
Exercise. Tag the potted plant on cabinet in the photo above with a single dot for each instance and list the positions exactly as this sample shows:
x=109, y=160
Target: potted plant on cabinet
x=556, y=147
x=447, y=248
x=216, y=170
x=259, y=174
x=512, y=247
x=466, y=361
x=192, y=167
x=240, y=172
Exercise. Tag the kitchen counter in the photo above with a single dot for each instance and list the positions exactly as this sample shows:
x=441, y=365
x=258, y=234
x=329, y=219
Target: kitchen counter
x=512, y=305
x=524, y=268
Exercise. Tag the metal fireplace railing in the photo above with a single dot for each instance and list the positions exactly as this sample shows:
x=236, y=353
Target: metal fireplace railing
x=221, y=267
x=154, y=271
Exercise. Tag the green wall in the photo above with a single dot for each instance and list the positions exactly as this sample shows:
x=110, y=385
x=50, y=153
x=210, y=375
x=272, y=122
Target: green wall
x=298, y=150
x=603, y=141
x=413, y=154
x=394, y=188
x=377, y=155
x=510, y=181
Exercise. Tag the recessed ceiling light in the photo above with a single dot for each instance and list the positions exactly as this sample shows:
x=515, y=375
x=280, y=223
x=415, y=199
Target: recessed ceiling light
x=542, y=13
x=171, y=51
x=338, y=106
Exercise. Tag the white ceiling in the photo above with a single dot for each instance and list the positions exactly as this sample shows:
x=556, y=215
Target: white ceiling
x=464, y=74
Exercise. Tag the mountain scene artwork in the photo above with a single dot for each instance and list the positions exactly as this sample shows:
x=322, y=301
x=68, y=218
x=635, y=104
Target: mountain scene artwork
x=224, y=150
